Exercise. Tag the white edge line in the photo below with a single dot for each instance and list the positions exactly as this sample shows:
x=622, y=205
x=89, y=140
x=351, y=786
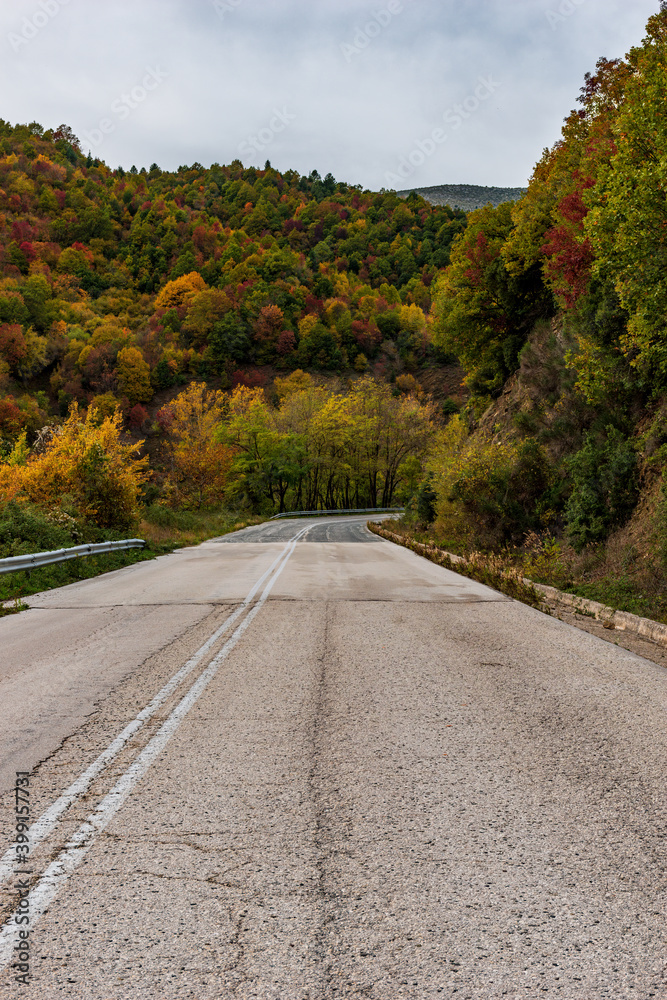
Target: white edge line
x=46, y=823
x=74, y=851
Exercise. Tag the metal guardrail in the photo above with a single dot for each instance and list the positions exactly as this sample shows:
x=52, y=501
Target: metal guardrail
x=16, y=563
x=359, y=510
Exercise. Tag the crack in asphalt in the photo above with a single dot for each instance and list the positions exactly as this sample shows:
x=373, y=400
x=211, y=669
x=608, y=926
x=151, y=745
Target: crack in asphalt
x=322, y=839
x=236, y=941
x=278, y=599
x=391, y=876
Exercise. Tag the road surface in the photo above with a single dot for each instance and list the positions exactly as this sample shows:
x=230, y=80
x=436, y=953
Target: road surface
x=301, y=762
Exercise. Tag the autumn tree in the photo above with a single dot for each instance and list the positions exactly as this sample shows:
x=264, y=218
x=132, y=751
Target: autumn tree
x=13, y=347
x=87, y=462
x=264, y=465
x=180, y=290
x=321, y=449
x=627, y=223
x=134, y=376
x=205, y=309
x=67, y=133
x=199, y=463
x=267, y=329
x=295, y=382
x=483, y=312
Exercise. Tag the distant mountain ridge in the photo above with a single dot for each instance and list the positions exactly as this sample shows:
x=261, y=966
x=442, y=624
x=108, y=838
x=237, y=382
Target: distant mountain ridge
x=465, y=196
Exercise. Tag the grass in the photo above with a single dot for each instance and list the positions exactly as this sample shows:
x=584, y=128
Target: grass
x=163, y=530
x=615, y=574
x=425, y=536
x=175, y=528
x=624, y=595
x=15, y=586
x=17, y=606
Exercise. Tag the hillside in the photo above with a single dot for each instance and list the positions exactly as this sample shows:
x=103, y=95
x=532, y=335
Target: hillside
x=271, y=269
x=556, y=306
x=466, y=197
x=207, y=338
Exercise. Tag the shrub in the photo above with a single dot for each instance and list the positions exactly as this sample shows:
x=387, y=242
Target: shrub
x=165, y=517
x=426, y=500
x=11, y=418
x=604, y=488
x=490, y=492
x=86, y=461
x=25, y=528
x=408, y=384
x=105, y=404
x=137, y=416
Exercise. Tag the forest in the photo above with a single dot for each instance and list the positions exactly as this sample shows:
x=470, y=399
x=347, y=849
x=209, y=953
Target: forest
x=556, y=307
x=207, y=338
x=119, y=284
x=262, y=341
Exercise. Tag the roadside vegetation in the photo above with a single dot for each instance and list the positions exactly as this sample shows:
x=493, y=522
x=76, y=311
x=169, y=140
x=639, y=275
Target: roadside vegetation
x=184, y=352
x=26, y=528
x=228, y=460
x=556, y=307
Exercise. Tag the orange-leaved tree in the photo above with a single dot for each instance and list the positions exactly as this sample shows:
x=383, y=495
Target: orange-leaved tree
x=180, y=290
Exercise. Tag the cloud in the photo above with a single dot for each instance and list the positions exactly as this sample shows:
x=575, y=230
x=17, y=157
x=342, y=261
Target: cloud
x=363, y=81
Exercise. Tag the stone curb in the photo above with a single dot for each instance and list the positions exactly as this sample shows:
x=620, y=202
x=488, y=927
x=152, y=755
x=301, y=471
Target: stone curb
x=623, y=620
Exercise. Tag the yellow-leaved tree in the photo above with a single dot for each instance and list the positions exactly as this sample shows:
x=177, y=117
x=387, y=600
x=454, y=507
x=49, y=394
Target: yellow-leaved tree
x=199, y=463
x=86, y=463
x=177, y=292
x=134, y=375
x=297, y=381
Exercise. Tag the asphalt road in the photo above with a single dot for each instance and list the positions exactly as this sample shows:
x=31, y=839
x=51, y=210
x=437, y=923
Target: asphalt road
x=265, y=769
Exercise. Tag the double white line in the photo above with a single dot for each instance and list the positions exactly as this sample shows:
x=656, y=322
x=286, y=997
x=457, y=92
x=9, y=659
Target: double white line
x=44, y=891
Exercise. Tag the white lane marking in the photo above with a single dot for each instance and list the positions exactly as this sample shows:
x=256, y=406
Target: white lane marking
x=74, y=851
x=46, y=823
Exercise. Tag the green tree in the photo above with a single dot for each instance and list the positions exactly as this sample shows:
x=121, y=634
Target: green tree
x=604, y=488
x=627, y=222
x=482, y=312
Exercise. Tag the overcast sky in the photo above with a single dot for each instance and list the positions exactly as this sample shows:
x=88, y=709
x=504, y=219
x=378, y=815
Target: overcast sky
x=383, y=93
